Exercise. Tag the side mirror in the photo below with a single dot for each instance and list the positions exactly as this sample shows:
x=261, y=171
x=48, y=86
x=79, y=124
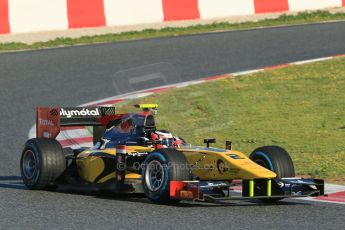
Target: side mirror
x=209, y=141
x=228, y=145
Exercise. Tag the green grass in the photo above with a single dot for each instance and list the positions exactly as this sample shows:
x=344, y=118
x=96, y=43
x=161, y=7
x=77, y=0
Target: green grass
x=301, y=18
x=301, y=108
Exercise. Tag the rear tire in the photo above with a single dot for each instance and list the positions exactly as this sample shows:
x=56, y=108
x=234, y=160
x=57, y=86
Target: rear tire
x=160, y=167
x=42, y=162
x=275, y=159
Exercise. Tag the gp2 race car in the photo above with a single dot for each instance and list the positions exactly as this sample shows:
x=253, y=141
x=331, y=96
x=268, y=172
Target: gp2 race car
x=130, y=155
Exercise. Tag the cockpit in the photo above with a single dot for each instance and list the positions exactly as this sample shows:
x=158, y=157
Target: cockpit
x=130, y=129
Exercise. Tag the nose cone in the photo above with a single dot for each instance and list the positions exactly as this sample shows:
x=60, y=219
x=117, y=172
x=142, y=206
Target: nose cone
x=248, y=168
x=258, y=172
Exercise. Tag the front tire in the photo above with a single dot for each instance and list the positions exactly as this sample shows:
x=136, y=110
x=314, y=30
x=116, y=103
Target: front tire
x=160, y=167
x=42, y=162
x=275, y=159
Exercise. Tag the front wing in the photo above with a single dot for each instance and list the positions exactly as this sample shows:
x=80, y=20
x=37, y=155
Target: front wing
x=251, y=189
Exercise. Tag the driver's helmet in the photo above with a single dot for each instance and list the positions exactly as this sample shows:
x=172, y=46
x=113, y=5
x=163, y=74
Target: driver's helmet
x=165, y=137
x=168, y=140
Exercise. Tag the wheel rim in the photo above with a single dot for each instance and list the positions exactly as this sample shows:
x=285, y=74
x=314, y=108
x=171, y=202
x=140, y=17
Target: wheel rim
x=154, y=175
x=29, y=164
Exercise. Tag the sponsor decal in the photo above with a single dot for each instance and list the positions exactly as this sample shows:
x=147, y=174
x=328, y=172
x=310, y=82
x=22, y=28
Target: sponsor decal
x=79, y=112
x=222, y=168
x=46, y=122
x=213, y=184
x=137, y=154
x=108, y=111
x=54, y=112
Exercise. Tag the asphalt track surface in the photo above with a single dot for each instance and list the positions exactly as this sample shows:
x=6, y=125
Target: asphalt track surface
x=76, y=75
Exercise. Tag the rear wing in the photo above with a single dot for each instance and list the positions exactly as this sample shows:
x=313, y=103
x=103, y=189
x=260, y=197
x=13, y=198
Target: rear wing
x=49, y=120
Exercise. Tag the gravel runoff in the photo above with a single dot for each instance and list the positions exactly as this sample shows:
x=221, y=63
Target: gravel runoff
x=43, y=36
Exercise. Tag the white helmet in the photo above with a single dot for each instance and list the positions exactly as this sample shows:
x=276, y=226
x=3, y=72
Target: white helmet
x=168, y=140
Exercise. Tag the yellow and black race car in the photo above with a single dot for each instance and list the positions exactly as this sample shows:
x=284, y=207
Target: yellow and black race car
x=130, y=156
